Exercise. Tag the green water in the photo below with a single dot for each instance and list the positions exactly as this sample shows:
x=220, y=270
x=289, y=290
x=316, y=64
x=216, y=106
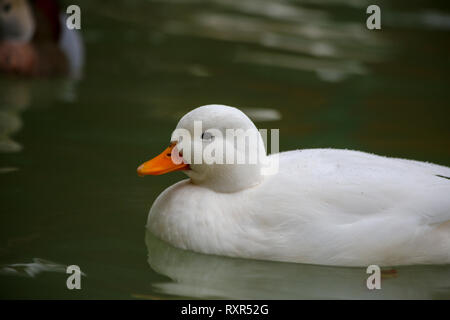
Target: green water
x=69, y=189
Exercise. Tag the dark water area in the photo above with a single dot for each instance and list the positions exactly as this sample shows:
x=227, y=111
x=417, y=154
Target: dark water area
x=69, y=148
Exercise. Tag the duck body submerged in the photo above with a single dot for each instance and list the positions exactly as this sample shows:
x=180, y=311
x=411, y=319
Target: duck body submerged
x=323, y=206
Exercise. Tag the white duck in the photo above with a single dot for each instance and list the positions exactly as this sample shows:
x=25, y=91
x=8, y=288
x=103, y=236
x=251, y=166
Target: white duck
x=323, y=206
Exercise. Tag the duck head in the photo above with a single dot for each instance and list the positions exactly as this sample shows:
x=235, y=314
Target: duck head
x=217, y=146
x=16, y=21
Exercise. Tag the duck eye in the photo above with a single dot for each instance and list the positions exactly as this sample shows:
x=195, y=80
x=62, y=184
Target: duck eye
x=6, y=7
x=207, y=135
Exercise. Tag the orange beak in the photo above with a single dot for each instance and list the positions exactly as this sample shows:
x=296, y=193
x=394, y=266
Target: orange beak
x=161, y=164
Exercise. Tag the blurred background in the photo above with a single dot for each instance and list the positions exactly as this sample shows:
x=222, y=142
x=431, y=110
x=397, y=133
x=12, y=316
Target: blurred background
x=80, y=110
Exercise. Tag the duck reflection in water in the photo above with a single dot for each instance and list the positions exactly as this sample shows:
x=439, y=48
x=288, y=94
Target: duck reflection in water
x=207, y=276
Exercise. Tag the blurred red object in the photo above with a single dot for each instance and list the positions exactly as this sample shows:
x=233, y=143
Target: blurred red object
x=48, y=11
x=18, y=57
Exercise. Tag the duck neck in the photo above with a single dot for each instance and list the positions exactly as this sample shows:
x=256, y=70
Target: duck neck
x=228, y=178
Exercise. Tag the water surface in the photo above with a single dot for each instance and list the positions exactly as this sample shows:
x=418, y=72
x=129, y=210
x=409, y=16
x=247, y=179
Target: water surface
x=69, y=149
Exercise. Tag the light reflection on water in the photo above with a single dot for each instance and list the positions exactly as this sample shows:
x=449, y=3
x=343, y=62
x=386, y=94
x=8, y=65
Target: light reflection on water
x=69, y=150
x=18, y=95
x=32, y=269
x=333, y=48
